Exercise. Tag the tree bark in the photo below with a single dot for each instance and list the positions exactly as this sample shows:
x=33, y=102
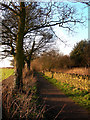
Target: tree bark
x=28, y=64
x=30, y=56
x=19, y=47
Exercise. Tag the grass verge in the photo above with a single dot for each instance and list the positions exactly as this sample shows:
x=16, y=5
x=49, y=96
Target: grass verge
x=82, y=97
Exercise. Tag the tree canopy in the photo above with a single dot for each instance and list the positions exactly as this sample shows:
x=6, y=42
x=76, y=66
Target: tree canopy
x=81, y=54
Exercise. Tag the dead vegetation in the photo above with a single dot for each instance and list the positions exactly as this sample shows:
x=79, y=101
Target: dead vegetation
x=80, y=71
x=23, y=105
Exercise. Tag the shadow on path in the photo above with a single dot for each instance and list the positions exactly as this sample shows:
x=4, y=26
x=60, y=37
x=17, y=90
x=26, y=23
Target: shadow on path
x=58, y=105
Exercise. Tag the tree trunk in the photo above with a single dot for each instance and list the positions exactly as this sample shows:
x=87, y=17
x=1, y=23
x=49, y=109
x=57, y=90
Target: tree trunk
x=19, y=47
x=30, y=56
x=28, y=65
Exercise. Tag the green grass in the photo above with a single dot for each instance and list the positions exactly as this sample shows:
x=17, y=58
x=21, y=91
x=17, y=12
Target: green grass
x=5, y=73
x=82, y=97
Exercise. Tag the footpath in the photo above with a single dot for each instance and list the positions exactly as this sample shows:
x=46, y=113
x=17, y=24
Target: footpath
x=58, y=105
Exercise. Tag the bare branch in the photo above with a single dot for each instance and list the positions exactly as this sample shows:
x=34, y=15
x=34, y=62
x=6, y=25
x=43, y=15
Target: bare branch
x=8, y=29
x=6, y=6
x=50, y=25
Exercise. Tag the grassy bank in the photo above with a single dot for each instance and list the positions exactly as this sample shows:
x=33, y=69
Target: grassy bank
x=82, y=97
x=78, y=81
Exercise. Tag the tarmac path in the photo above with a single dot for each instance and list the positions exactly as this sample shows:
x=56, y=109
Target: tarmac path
x=58, y=105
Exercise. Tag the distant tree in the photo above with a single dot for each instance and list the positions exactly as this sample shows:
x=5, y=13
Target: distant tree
x=87, y=54
x=79, y=54
x=53, y=60
x=49, y=60
x=64, y=62
x=37, y=43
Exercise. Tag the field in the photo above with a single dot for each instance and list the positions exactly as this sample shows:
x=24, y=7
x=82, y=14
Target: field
x=5, y=73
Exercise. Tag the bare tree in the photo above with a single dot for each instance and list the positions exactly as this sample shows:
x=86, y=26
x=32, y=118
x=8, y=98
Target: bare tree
x=36, y=43
x=31, y=16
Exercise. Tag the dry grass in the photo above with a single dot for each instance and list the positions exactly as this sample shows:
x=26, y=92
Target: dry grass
x=77, y=81
x=80, y=71
x=21, y=105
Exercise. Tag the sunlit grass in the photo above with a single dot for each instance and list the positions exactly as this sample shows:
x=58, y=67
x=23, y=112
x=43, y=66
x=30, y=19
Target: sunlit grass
x=81, y=97
x=78, y=81
x=5, y=73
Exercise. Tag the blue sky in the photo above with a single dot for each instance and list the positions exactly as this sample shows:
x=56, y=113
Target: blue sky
x=81, y=31
x=71, y=38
